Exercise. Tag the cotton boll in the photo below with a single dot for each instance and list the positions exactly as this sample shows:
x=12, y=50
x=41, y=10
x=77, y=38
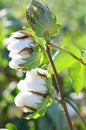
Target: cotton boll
x=33, y=82
x=16, y=62
x=14, y=35
x=34, y=95
x=20, y=45
x=13, y=65
x=28, y=100
x=18, y=59
x=23, y=85
x=12, y=53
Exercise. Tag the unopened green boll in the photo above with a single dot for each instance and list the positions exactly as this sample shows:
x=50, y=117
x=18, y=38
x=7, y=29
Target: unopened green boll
x=42, y=21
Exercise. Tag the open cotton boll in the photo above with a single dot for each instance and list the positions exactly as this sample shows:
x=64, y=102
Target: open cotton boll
x=37, y=80
x=20, y=44
x=12, y=53
x=32, y=73
x=28, y=100
x=18, y=59
x=24, y=85
x=22, y=54
x=42, y=72
x=16, y=62
x=33, y=82
x=35, y=95
x=14, y=35
x=37, y=73
x=38, y=85
x=13, y=65
x=20, y=35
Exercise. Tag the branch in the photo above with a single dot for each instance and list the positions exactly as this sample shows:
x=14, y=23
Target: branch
x=71, y=104
x=59, y=88
x=68, y=52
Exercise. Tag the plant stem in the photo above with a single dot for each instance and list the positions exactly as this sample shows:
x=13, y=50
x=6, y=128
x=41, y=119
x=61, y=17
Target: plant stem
x=59, y=88
x=68, y=52
x=71, y=104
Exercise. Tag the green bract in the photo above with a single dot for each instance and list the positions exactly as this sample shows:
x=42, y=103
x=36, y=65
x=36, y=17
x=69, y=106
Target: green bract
x=35, y=60
x=42, y=21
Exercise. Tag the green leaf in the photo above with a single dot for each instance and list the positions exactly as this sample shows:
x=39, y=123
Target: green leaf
x=10, y=126
x=63, y=60
x=77, y=73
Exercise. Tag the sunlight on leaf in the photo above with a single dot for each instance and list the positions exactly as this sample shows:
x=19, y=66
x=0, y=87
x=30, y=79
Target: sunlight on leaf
x=77, y=73
x=62, y=60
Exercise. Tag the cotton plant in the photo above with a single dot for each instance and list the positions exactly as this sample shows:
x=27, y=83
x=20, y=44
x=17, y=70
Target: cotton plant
x=30, y=53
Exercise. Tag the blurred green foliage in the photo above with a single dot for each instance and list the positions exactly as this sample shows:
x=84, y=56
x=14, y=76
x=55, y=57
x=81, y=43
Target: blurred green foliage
x=72, y=15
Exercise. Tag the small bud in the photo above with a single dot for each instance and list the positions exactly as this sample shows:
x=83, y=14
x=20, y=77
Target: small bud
x=20, y=45
x=42, y=21
x=34, y=91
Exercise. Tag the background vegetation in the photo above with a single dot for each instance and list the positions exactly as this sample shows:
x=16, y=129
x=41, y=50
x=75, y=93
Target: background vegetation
x=72, y=14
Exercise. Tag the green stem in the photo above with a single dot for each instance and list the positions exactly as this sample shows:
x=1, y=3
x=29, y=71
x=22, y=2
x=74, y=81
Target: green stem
x=68, y=52
x=59, y=88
